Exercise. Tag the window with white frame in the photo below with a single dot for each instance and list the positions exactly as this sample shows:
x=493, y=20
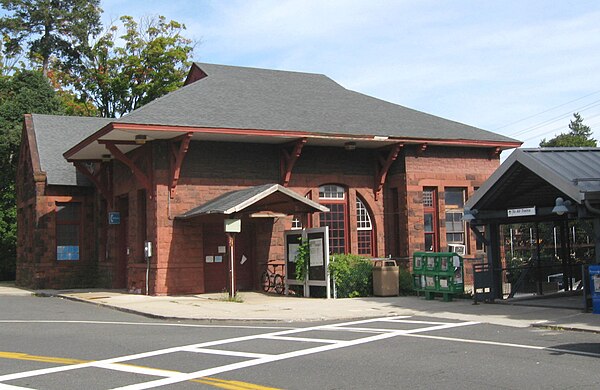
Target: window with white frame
x=296, y=222
x=430, y=219
x=332, y=191
x=455, y=227
x=364, y=229
x=334, y=197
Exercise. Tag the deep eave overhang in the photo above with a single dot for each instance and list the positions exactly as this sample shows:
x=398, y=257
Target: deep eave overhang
x=124, y=133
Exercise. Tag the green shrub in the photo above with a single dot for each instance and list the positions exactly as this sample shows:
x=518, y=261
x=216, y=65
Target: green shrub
x=353, y=275
x=406, y=282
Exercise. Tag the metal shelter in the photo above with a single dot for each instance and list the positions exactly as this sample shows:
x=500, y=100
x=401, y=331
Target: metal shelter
x=533, y=188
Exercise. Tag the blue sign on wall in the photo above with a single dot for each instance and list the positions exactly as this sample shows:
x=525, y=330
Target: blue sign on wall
x=114, y=218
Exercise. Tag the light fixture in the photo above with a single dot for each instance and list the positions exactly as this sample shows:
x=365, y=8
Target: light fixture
x=350, y=145
x=469, y=215
x=106, y=157
x=561, y=206
x=140, y=139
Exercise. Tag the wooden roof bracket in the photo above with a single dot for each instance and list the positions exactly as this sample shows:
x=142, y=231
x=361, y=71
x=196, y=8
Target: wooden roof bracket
x=137, y=172
x=104, y=188
x=176, y=160
x=382, y=166
x=495, y=152
x=288, y=159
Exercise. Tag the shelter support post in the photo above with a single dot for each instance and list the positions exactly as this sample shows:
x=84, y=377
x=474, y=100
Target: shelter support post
x=597, y=239
x=538, y=263
x=493, y=256
x=565, y=255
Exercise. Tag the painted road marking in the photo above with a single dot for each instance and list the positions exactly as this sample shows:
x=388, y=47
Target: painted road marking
x=141, y=324
x=305, y=339
x=250, y=355
x=254, y=359
x=511, y=345
x=215, y=382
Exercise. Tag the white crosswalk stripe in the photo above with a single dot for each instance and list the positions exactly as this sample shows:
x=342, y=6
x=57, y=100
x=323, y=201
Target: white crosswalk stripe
x=253, y=358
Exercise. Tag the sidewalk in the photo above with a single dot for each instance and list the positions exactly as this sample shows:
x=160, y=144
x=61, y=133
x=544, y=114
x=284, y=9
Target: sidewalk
x=265, y=307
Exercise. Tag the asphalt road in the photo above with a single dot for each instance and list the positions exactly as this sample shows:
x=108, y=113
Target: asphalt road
x=50, y=343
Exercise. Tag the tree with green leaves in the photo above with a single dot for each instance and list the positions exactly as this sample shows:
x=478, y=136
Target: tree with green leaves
x=118, y=79
x=46, y=28
x=579, y=135
x=22, y=93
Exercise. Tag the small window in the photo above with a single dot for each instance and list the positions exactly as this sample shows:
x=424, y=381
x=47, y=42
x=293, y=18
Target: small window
x=68, y=225
x=331, y=192
x=296, y=223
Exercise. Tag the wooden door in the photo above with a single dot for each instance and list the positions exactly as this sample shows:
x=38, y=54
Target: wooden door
x=215, y=261
x=244, y=260
x=120, y=270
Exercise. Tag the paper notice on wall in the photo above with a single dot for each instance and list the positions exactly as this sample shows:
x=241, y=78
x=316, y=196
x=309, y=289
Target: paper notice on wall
x=596, y=280
x=210, y=259
x=292, y=252
x=316, y=252
x=218, y=259
x=243, y=260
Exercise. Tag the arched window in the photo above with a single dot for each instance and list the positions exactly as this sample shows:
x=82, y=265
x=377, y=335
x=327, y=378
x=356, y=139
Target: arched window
x=364, y=228
x=334, y=197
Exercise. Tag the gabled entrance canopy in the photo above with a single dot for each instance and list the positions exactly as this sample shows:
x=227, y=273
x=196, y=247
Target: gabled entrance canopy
x=535, y=178
x=264, y=200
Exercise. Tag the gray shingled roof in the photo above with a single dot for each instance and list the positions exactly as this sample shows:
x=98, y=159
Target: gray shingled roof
x=538, y=176
x=241, y=200
x=249, y=98
x=55, y=134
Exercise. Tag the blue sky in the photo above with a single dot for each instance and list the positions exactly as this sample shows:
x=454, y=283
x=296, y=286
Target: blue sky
x=519, y=68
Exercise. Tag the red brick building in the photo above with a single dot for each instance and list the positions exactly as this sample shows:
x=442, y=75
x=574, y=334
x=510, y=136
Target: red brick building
x=394, y=181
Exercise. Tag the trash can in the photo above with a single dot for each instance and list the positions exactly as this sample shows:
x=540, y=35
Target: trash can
x=386, y=275
x=595, y=288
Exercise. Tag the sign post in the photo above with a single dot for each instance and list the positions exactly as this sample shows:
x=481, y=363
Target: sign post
x=232, y=226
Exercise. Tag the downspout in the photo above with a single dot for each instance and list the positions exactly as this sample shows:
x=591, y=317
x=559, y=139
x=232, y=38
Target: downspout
x=591, y=208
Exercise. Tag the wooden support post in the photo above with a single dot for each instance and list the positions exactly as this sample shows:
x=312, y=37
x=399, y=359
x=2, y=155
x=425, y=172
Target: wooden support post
x=176, y=160
x=382, y=166
x=288, y=159
x=105, y=189
x=137, y=172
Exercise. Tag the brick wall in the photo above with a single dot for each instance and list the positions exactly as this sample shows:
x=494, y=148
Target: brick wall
x=438, y=167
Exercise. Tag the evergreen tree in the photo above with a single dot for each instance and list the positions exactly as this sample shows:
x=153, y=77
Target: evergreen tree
x=579, y=135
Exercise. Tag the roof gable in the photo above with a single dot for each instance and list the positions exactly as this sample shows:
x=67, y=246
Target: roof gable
x=54, y=134
x=538, y=176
